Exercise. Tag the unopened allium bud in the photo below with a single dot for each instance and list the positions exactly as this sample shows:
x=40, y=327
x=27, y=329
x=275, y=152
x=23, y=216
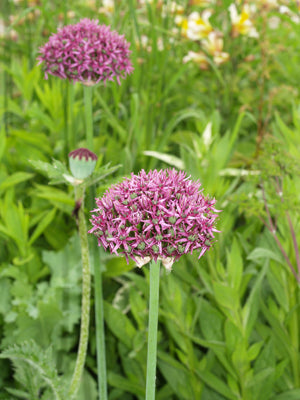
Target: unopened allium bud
x=159, y=221
x=86, y=52
x=82, y=162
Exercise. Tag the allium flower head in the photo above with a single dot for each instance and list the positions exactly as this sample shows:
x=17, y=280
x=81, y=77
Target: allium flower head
x=159, y=215
x=86, y=52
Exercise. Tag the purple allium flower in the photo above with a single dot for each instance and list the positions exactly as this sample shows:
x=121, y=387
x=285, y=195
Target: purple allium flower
x=86, y=52
x=159, y=215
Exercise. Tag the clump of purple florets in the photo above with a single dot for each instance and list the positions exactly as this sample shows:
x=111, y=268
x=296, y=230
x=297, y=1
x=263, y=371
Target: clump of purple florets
x=86, y=52
x=159, y=215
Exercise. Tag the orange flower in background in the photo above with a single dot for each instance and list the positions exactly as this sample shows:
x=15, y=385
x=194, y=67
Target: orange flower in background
x=241, y=23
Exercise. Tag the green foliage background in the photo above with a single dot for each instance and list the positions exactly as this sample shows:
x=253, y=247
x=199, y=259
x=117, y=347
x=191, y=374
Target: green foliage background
x=229, y=322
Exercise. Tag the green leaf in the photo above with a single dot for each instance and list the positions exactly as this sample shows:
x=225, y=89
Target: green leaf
x=2, y=141
x=119, y=324
x=289, y=395
x=41, y=361
x=226, y=296
x=261, y=253
x=254, y=350
x=14, y=179
x=216, y=384
x=235, y=266
x=167, y=158
x=211, y=322
x=120, y=382
x=47, y=219
x=176, y=375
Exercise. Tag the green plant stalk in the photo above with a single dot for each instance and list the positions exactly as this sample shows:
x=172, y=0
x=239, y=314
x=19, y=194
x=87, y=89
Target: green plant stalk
x=294, y=331
x=71, y=133
x=86, y=292
x=99, y=315
x=88, y=113
x=100, y=337
x=152, y=330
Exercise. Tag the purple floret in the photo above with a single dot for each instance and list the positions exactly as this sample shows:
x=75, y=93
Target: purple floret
x=161, y=215
x=86, y=52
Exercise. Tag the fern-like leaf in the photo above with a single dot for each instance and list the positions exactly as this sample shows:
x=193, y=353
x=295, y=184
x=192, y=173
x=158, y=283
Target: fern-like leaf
x=40, y=361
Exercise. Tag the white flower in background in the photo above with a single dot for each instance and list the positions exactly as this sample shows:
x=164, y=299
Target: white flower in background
x=274, y=22
x=213, y=44
x=108, y=7
x=196, y=26
x=171, y=8
x=287, y=11
x=241, y=23
x=198, y=58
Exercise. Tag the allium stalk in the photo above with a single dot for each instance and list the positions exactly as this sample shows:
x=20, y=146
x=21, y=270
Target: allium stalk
x=152, y=330
x=86, y=290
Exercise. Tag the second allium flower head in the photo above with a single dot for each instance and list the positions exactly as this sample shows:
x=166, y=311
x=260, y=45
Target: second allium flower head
x=159, y=215
x=86, y=52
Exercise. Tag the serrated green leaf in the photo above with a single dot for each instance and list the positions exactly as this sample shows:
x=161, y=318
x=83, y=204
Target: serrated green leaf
x=41, y=361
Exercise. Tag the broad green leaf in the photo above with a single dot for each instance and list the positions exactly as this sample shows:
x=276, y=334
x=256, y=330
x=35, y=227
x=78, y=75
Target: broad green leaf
x=235, y=266
x=119, y=324
x=176, y=376
x=211, y=322
x=261, y=253
x=118, y=381
x=216, y=384
x=288, y=395
x=226, y=296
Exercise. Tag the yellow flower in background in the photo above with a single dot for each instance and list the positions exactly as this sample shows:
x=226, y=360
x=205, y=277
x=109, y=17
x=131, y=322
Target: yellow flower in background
x=196, y=26
x=242, y=24
x=198, y=58
x=201, y=3
x=214, y=46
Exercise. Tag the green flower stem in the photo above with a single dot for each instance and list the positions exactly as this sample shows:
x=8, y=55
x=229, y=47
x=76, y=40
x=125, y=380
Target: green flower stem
x=99, y=315
x=100, y=336
x=152, y=330
x=71, y=134
x=86, y=291
x=88, y=116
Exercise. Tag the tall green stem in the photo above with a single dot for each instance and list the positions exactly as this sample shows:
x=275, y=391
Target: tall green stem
x=99, y=315
x=152, y=330
x=70, y=129
x=86, y=291
x=88, y=116
x=100, y=337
